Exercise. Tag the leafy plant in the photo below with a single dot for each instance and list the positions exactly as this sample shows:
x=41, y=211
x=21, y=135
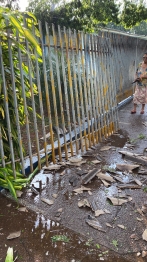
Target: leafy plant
x=97, y=246
x=9, y=257
x=62, y=238
x=13, y=35
x=115, y=243
x=141, y=136
x=145, y=189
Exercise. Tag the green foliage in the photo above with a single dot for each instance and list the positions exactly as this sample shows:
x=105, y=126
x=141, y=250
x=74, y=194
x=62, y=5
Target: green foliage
x=132, y=14
x=11, y=24
x=141, y=136
x=80, y=15
x=9, y=257
x=115, y=243
x=61, y=238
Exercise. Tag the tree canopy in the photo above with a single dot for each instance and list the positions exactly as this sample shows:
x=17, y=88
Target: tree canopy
x=77, y=14
x=11, y=4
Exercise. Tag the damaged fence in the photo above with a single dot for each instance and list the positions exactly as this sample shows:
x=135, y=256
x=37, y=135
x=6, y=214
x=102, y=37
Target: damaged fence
x=68, y=96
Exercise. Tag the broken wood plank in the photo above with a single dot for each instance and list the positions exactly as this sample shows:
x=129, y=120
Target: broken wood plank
x=90, y=176
x=135, y=157
x=129, y=186
x=105, y=177
x=126, y=167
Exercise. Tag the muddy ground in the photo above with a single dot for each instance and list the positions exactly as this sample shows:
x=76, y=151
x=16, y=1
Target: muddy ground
x=118, y=232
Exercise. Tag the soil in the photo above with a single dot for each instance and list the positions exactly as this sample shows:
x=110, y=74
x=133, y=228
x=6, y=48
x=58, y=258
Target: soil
x=42, y=221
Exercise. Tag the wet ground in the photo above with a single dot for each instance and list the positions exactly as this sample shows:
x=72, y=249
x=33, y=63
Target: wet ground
x=118, y=232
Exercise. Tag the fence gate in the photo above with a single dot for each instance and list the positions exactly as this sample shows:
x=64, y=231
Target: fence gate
x=72, y=97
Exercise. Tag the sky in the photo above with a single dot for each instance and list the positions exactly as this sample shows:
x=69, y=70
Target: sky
x=23, y=4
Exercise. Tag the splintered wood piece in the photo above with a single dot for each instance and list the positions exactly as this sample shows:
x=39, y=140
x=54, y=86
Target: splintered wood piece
x=135, y=157
x=105, y=177
x=90, y=176
x=129, y=186
x=126, y=167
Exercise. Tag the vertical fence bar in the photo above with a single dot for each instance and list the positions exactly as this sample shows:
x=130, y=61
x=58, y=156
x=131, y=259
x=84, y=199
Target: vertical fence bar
x=25, y=105
x=88, y=78
x=81, y=45
x=7, y=110
x=59, y=88
x=15, y=101
x=53, y=89
x=41, y=104
x=79, y=90
x=74, y=68
x=2, y=149
x=71, y=87
x=99, y=79
x=33, y=103
x=92, y=76
x=65, y=88
x=47, y=94
x=96, y=87
x=97, y=57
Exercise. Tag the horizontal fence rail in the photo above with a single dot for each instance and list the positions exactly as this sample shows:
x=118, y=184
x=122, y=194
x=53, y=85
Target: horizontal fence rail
x=68, y=98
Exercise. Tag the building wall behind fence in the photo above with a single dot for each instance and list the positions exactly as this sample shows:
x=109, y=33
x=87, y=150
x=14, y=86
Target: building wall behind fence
x=79, y=82
x=127, y=53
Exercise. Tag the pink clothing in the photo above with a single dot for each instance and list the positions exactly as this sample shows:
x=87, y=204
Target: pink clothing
x=140, y=95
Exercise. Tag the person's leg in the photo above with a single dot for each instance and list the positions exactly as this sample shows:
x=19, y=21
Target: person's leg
x=134, y=109
x=142, y=109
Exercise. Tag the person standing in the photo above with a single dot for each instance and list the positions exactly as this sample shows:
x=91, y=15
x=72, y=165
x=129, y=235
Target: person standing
x=140, y=95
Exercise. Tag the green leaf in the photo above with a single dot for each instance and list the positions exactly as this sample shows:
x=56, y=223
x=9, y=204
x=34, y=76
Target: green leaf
x=33, y=40
x=9, y=257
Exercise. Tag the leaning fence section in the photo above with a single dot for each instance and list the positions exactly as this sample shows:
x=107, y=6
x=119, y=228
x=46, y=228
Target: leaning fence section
x=127, y=53
x=62, y=103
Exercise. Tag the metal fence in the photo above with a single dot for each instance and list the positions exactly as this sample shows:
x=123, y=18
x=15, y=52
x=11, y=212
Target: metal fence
x=78, y=84
x=127, y=51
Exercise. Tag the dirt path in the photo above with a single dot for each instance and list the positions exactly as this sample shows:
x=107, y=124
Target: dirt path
x=119, y=228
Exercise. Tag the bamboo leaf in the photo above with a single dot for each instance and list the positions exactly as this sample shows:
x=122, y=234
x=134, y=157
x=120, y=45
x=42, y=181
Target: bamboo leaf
x=33, y=40
x=16, y=23
x=11, y=188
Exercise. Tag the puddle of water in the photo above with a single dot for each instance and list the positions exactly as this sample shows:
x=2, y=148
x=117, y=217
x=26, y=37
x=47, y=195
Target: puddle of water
x=119, y=140
x=35, y=243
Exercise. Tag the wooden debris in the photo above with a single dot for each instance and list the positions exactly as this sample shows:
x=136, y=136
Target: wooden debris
x=95, y=224
x=135, y=157
x=108, y=225
x=129, y=186
x=52, y=167
x=19, y=193
x=126, y=167
x=138, y=182
x=96, y=161
x=90, y=176
x=144, y=235
x=47, y=201
x=105, y=177
x=105, y=148
x=14, y=235
x=139, y=219
x=23, y=209
x=84, y=203
x=118, y=201
x=81, y=189
x=121, y=226
x=144, y=253
x=106, y=184
x=55, y=195
x=75, y=159
x=99, y=212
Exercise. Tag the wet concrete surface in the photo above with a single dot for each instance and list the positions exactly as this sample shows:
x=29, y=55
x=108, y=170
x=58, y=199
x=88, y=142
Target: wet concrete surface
x=46, y=220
